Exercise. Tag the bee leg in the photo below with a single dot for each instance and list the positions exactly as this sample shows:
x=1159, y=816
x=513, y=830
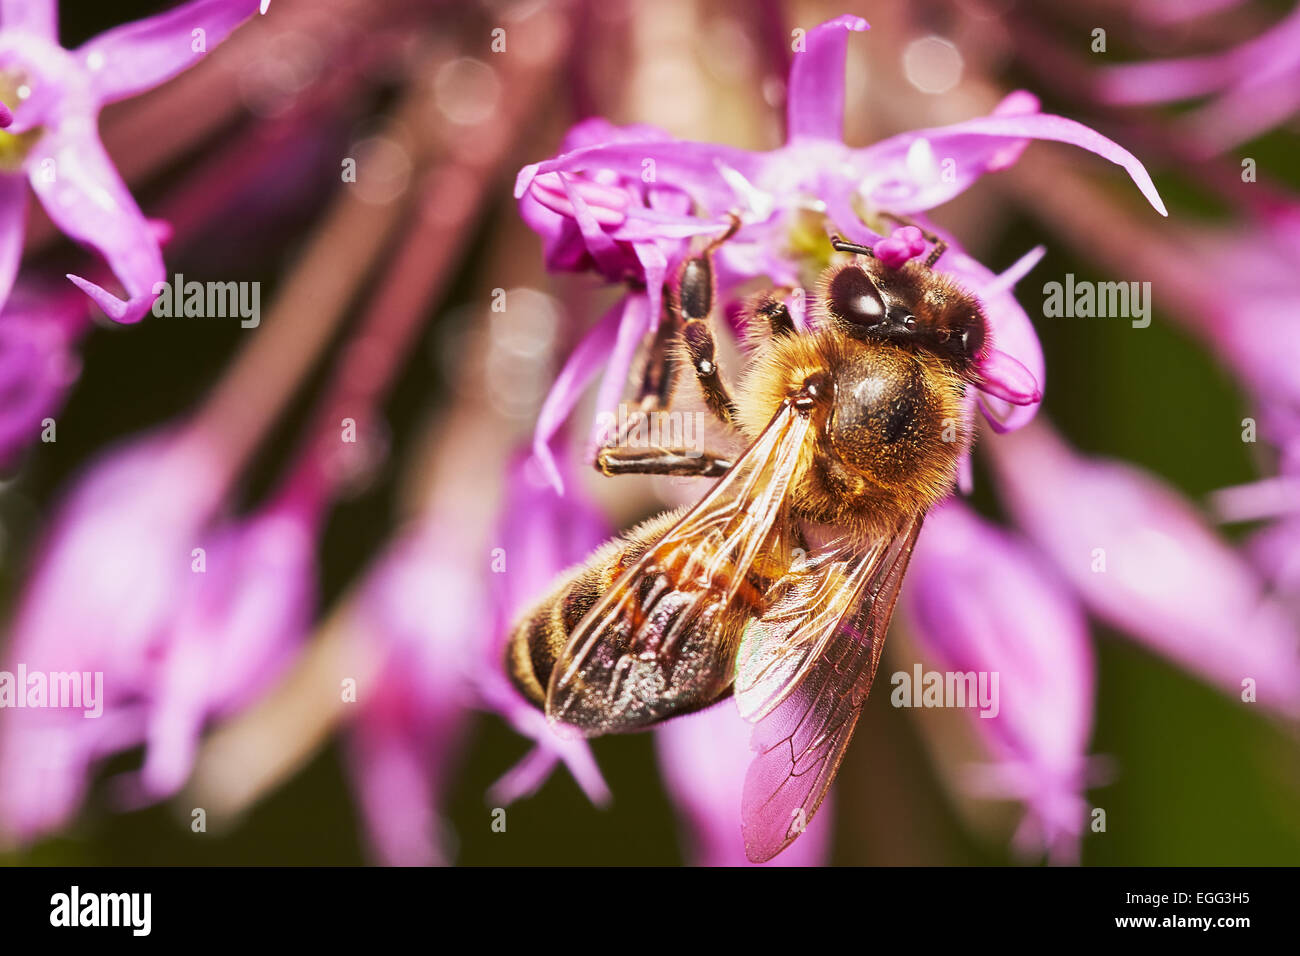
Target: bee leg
x=660, y=370
x=613, y=461
x=777, y=315
x=697, y=336
x=657, y=376
x=695, y=300
x=939, y=244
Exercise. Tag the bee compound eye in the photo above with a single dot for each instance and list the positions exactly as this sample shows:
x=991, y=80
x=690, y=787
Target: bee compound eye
x=854, y=298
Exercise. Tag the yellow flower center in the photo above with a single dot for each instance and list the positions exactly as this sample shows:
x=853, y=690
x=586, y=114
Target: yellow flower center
x=14, y=147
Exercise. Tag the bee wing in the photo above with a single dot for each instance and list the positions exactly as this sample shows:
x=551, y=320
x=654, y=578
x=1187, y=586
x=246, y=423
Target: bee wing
x=662, y=640
x=809, y=694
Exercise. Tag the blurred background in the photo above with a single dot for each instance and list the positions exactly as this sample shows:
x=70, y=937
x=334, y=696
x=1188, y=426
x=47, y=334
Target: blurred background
x=376, y=300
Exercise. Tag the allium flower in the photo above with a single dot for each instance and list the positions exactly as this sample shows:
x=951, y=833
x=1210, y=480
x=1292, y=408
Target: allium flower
x=1144, y=561
x=238, y=626
x=102, y=599
x=980, y=600
x=628, y=205
x=420, y=615
x=541, y=533
x=55, y=96
x=1252, y=87
x=439, y=660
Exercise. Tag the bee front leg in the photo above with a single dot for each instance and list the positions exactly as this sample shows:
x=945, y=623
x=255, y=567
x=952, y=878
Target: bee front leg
x=696, y=301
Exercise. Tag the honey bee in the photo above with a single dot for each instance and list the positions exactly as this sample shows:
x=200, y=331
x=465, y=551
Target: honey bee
x=777, y=588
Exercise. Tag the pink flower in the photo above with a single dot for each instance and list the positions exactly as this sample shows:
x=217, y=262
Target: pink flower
x=1251, y=87
x=439, y=659
x=238, y=625
x=1145, y=562
x=981, y=601
x=541, y=533
x=103, y=599
x=55, y=96
x=595, y=208
x=421, y=615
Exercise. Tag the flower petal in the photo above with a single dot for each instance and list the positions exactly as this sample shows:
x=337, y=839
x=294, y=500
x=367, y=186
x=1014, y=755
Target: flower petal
x=815, y=103
x=632, y=330
x=40, y=17
x=978, y=146
x=579, y=369
x=1011, y=334
x=1004, y=377
x=1146, y=562
x=88, y=200
x=135, y=57
x=980, y=600
x=695, y=168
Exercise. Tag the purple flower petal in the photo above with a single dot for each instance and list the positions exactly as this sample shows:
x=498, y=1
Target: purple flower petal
x=541, y=533
x=632, y=330
x=239, y=626
x=978, y=146
x=980, y=601
x=1146, y=562
x=103, y=594
x=815, y=101
x=1006, y=378
x=135, y=57
x=37, y=363
x=1015, y=356
x=1268, y=55
x=691, y=167
x=420, y=611
x=88, y=200
x=579, y=370
x=39, y=17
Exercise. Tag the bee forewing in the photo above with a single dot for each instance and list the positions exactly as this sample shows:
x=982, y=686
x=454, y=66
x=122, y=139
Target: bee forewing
x=662, y=641
x=803, y=611
x=801, y=740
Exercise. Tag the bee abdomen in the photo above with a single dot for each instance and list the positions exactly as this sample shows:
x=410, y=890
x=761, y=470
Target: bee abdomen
x=541, y=635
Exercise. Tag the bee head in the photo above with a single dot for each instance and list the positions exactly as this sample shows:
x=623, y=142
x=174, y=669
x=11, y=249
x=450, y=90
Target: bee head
x=912, y=307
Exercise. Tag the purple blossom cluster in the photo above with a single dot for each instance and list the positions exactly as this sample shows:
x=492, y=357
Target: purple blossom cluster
x=198, y=610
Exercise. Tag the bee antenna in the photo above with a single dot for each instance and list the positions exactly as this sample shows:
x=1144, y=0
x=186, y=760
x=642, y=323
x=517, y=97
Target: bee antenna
x=843, y=245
